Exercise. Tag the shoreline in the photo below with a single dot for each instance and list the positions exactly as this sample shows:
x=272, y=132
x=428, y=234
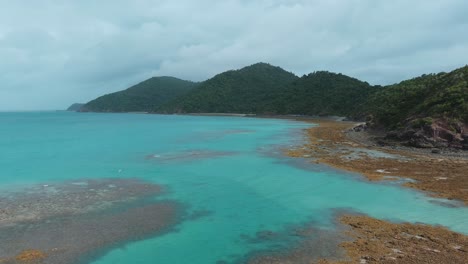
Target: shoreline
x=380, y=241
x=334, y=133
x=372, y=240
x=365, y=240
x=330, y=143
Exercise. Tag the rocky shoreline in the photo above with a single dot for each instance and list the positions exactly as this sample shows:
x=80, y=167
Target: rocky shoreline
x=412, y=140
x=439, y=173
x=429, y=133
x=335, y=143
x=365, y=240
x=377, y=241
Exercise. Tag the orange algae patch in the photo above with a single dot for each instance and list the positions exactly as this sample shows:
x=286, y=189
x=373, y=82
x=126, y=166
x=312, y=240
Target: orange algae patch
x=31, y=256
x=378, y=241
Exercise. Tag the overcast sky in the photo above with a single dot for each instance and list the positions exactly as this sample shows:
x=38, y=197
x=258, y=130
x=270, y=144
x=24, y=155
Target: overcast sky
x=57, y=52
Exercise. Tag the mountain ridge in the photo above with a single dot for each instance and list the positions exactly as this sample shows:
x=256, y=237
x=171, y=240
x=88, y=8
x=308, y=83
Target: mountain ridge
x=142, y=97
x=427, y=111
x=241, y=91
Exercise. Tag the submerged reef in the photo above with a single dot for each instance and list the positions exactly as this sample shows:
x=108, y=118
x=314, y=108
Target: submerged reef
x=358, y=238
x=74, y=221
x=214, y=135
x=306, y=242
x=188, y=155
x=316, y=244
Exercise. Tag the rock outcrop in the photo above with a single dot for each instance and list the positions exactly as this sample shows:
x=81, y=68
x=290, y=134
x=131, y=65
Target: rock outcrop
x=430, y=133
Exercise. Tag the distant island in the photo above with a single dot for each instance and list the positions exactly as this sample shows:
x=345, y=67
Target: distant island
x=75, y=107
x=430, y=111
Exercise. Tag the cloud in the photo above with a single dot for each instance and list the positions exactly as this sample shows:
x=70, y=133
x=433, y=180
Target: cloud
x=54, y=53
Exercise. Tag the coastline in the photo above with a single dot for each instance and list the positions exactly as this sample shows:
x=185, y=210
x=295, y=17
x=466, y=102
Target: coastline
x=330, y=143
x=379, y=241
x=373, y=240
x=333, y=143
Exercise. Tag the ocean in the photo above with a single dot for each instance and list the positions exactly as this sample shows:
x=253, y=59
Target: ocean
x=236, y=194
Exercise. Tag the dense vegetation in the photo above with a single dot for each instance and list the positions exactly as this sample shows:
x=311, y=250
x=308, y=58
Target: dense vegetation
x=248, y=90
x=143, y=97
x=419, y=100
x=265, y=89
x=325, y=93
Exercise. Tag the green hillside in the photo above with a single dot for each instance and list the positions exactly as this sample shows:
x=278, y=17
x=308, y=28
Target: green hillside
x=443, y=95
x=258, y=89
x=248, y=90
x=143, y=97
x=265, y=89
x=325, y=93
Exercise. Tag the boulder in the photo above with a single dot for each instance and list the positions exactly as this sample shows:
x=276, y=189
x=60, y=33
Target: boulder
x=446, y=134
x=419, y=140
x=430, y=129
x=392, y=135
x=464, y=136
x=360, y=128
x=456, y=145
x=419, y=143
x=441, y=144
x=407, y=134
x=381, y=142
x=458, y=127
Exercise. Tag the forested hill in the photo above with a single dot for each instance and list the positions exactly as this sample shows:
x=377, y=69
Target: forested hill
x=248, y=90
x=442, y=95
x=424, y=111
x=265, y=89
x=143, y=97
x=428, y=111
x=257, y=89
x=325, y=93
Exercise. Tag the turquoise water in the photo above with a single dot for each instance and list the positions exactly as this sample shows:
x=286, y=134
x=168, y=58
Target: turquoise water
x=218, y=164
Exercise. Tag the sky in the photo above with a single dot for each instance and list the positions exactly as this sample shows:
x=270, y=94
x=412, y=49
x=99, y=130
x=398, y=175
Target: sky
x=57, y=52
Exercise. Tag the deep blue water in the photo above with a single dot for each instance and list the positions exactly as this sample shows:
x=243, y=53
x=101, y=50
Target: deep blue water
x=231, y=167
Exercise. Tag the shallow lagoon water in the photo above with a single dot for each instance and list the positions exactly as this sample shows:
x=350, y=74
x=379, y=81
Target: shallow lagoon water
x=217, y=165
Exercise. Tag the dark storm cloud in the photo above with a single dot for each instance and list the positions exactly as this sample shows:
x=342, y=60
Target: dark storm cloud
x=55, y=52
